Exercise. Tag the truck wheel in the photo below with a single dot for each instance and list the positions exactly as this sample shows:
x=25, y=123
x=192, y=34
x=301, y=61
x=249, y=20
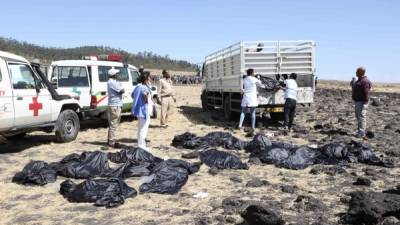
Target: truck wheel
x=204, y=102
x=277, y=116
x=67, y=126
x=228, y=114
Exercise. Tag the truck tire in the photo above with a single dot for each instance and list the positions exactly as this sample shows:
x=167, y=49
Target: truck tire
x=67, y=126
x=228, y=114
x=277, y=116
x=204, y=102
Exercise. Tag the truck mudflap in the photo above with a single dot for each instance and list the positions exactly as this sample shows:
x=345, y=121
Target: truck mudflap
x=305, y=95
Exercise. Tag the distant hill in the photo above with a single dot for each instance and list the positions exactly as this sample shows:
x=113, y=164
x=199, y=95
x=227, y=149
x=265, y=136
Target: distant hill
x=48, y=54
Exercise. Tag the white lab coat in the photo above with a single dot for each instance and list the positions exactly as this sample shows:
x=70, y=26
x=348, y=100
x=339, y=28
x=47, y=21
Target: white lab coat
x=250, y=84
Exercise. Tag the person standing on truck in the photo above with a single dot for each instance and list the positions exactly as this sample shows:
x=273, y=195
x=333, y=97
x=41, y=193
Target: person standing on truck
x=142, y=108
x=361, y=89
x=289, y=109
x=167, y=96
x=114, y=91
x=249, y=100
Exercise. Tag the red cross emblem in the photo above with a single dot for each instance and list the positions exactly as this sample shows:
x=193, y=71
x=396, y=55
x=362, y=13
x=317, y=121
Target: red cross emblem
x=35, y=106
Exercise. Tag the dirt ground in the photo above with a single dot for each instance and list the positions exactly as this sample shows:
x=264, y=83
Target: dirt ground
x=44, y=205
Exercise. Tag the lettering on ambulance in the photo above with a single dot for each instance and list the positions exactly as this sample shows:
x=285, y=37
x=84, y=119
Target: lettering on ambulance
x=5, y=108
x=35, y=106
x=2, y=93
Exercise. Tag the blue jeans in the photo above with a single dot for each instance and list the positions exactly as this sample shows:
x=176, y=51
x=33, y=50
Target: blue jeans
x=253, y=116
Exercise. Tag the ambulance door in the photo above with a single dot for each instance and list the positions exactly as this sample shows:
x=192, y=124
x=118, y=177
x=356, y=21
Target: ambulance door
x=6, y=100
x=126, y=82
x=32, y=103
x=73, y=81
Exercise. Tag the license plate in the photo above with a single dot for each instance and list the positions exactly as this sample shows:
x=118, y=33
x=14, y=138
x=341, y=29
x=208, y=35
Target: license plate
x=275, y=109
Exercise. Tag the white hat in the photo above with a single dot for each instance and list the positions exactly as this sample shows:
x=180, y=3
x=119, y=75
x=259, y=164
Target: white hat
x=112, y=72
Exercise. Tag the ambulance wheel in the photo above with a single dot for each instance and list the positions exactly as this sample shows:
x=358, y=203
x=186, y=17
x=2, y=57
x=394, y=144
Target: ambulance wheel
x=67, y=126
x=277, y=116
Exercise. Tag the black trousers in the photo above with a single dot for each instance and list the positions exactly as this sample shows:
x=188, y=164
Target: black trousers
x=289, y=112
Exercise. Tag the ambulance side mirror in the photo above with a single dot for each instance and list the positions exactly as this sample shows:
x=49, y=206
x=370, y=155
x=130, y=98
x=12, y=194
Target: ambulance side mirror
x=54, y=82
x=37, y=87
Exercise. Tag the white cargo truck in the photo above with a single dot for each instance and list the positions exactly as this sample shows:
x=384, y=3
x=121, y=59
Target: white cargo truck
x=223, y=74
x=28, y=102
x=86, y=81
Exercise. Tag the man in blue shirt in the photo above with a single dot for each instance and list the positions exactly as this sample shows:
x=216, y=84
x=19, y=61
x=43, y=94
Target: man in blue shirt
x=114, y=91
x=142, y=108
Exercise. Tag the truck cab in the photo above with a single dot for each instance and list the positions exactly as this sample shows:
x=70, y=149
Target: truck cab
x=28, y=102
x=86, y=81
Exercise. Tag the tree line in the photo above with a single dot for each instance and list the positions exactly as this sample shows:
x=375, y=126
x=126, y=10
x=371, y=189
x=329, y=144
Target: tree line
x=48, y=54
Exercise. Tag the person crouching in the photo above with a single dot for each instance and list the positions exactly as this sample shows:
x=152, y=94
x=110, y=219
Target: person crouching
x=142, y=108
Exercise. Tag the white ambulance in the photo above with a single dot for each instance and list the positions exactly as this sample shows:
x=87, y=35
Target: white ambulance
x=86, y=81
x=28, y=102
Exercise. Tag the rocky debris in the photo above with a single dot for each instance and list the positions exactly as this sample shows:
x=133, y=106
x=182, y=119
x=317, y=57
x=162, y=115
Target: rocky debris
x=255, y=161
x=363, y=181
x=256, y=182
x=260, y=215
x=288, y=189
x=203, y=220
x=191, y=155
x=390, y=221
x=309, y=203
x=395, y=190
x=370, y=134
x=232, y=205
x=213, y=171
x=318, y=126
x=375, y=101
x=330, y=170
x=371, y=207
x=236, y=179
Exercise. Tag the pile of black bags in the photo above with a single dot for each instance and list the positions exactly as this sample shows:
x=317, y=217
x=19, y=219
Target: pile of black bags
x=105, y=185
x=213, y=139
x=277, y=153
x=294, y=157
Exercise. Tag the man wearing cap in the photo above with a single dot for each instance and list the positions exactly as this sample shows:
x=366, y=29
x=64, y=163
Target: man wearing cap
x=360, y=92
x=167, y=96
x=114, y=91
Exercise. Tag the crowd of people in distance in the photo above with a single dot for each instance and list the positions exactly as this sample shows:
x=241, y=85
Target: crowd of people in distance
x=179, y=79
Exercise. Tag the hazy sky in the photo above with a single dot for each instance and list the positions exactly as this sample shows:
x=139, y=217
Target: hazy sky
x=348, y=33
